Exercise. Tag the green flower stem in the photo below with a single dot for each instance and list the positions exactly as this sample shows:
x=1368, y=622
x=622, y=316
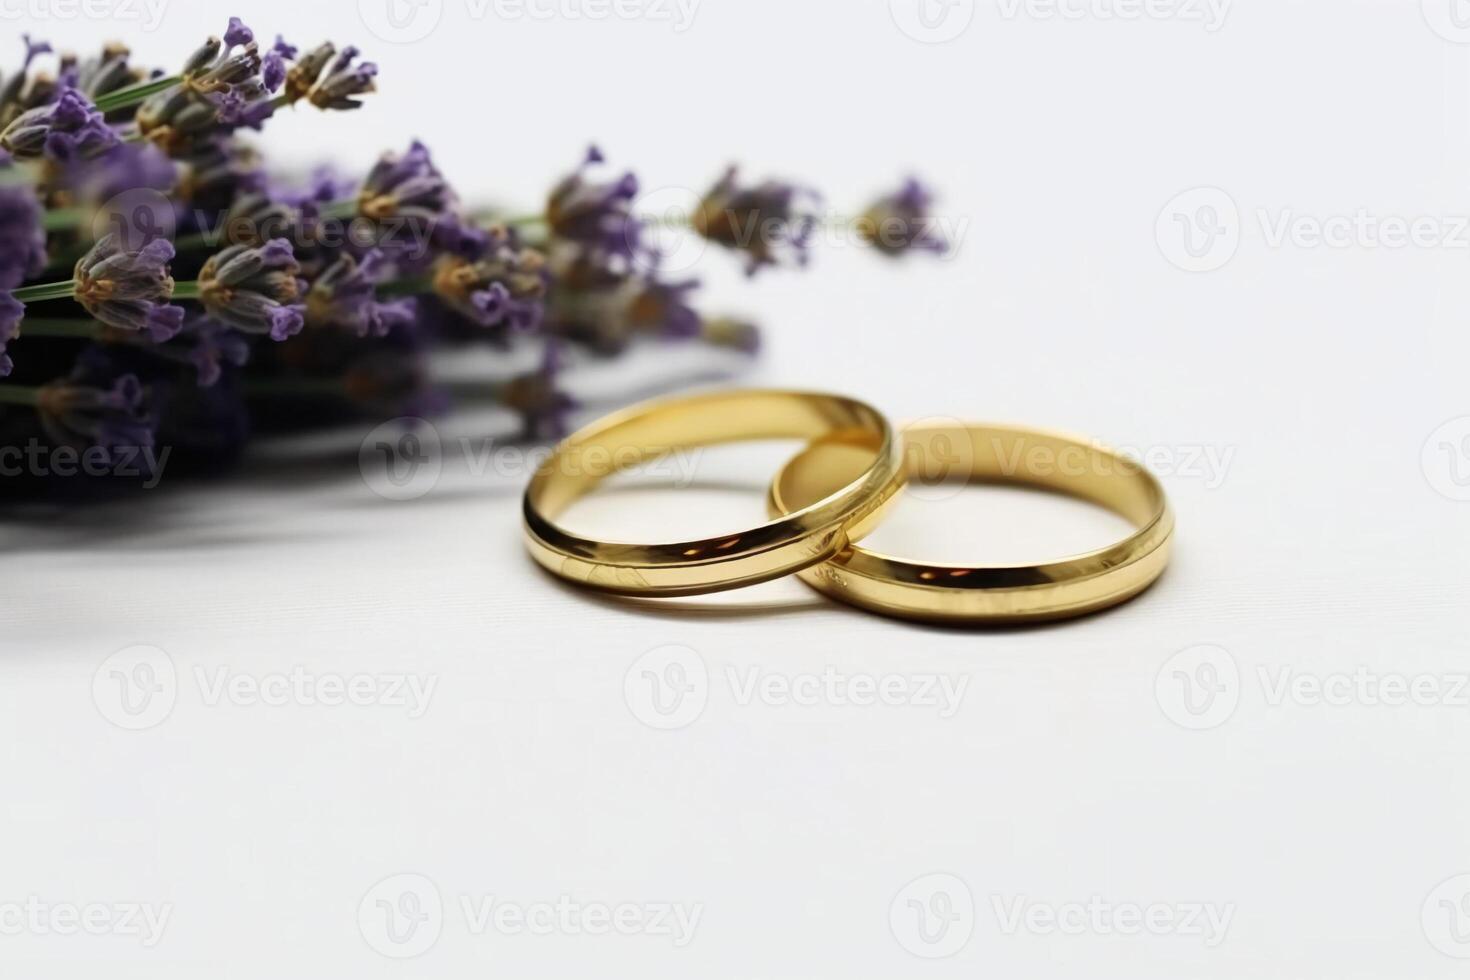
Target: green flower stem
x=50, y=326
x=406, y=287
x=134, y=94
x=45, y=291
x=19, y=394
x=186, y=290
x=65, y=219
x=340, y=209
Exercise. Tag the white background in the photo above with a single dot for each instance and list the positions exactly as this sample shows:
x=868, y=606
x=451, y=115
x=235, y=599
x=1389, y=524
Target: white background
x=1073, y=771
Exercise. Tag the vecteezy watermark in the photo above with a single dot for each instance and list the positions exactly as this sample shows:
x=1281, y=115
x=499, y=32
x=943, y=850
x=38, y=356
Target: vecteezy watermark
x=669, y=687
x=145, y=14
x=1201, y=230
x=1446, y=459
x=1208, y=464
x=1446, y=917
x=1199, y=688
x=932, y=21
x=933, y=916
x=1210, y=14
x=39, y=459
x=1450, y=19
x=403, y=916
x=1097, y=916
x=404, y=459
x=35, y=916
x=138, y=687
x=407, y=21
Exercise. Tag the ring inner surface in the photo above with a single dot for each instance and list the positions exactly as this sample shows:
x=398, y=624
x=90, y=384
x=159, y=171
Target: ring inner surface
x=624, y=441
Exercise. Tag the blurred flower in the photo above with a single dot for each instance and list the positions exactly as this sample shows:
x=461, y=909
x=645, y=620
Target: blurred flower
x=22, y=238
x=506, y=286
x=106, y=72
x=82, y=415
x=769, y=222
x=129, y=290
x=12, y=311
x=68, y=129
x=595, y=215
x=254, y=289
x=543, y=407
x=329, y=80
x=595, y=304
x=734, y=334
x=901, y=222
x=406, y=185
x=345, y=295
x=208, y=346
x=22, y=91
x=256, y=217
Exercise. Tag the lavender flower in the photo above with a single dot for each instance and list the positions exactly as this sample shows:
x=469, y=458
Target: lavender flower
x=506, y=286
x=544, y=408
x=345, y=295
x=256, y=217
x=594, y=304
x=273, y=68
x=595, y=215
x=407, y=186
x=128, y=290
x=12, y=311
x=68, y=129
x=254, y=289
x=107, y=72
x=22, y=91
x=769, y=222
x=222, y=89
x=22, y=238
x=77, y=414
x=329, y=80
x=737, y=335
x=901, y=222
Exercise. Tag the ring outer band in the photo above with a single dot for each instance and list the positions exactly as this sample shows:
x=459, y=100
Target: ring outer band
x=1010, y=594
x=786, y=544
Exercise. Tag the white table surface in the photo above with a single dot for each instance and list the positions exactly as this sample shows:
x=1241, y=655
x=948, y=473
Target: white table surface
x=1326, y=837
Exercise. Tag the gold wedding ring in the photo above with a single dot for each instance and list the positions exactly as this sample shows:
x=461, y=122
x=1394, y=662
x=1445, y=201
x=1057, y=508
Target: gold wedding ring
x=976, y=594
x=805, y=535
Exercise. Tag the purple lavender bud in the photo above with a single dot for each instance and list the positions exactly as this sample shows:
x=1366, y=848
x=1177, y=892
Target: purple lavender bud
x=255, y=290
x=12, y=311
x=343, y=82
x=345, y=295
x=544, y=408
x=127, y=167
x=22, y=238
x=595, y=215
x=770, y=222
x=505, y=287
x=238, y=34
x=407, y=185
x=68, y=129
x=901, y=222
x=128, y=290
x=83, y=415
x=107, y=72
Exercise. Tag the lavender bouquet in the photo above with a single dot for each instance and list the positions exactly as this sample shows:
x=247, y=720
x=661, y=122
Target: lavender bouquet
x=160, y=285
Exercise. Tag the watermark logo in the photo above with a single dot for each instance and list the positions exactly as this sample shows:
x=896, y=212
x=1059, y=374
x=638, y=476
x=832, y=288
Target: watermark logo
x=664, y=244
x=136, y=688
x=136, y=216
x=401, y=916
x=933, y=916
x=932, y=21
x=146, y=14
x=667, y=687
x=402, y=459
x=1199, y=230
x=1450, y=19
x=569, y=916
x=400, y=21
x=1446, y=917
x=1199, y=688
x=1446, y=459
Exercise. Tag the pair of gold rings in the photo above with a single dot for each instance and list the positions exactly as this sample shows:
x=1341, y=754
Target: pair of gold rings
x=836, y=490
